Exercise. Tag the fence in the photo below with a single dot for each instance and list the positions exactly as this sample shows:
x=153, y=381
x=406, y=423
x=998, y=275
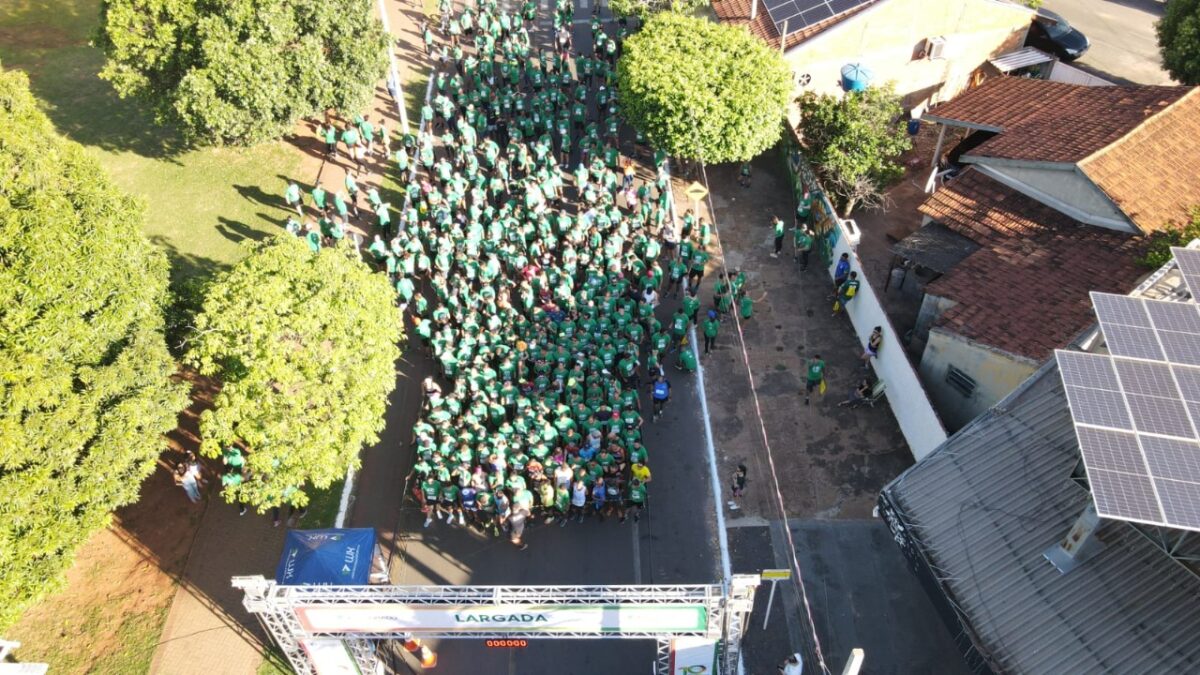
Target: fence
x=905, y=395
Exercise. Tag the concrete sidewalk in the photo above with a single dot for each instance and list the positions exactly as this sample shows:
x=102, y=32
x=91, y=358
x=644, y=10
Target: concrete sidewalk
x=207, y=631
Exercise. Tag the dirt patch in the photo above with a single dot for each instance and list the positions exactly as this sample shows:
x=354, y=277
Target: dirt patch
x=108, y=616
x=35, y=37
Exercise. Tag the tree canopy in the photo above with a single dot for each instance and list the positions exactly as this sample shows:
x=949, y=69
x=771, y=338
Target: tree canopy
x=702, y=90
x=854, y=141
x=644, y=9
x=1179, y=40
x=305, y=347
x=87, y=390
x=242, y=71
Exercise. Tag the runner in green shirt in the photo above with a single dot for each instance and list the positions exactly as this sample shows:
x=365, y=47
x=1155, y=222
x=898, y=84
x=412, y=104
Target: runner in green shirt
x=711, y=326
x=814, y=376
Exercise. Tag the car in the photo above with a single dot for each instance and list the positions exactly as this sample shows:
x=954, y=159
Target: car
x=1051, y=33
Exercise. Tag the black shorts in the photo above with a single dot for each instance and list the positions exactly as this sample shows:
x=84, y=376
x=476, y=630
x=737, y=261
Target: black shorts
x=447, y=503
x=809, y=385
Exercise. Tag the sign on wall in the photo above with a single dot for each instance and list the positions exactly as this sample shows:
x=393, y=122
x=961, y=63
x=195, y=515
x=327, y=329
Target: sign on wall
x=601, y=619
x=693, y=656
x=329, y=656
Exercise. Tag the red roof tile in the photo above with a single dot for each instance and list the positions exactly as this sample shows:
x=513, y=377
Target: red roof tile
x=1051, y=121
x=737, y=12
x=1151, y=172
x=1025, y=291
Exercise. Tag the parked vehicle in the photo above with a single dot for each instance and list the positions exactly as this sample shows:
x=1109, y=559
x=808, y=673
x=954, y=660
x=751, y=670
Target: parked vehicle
x=1051, y=33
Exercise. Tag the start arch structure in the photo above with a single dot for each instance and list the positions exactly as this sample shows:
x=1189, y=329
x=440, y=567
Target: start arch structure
x=326, y=630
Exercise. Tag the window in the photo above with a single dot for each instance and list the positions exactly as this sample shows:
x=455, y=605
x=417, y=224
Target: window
x=960, y=381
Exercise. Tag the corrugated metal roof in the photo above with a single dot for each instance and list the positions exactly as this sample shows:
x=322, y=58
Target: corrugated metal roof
x=991, y=499
x=1028, y=56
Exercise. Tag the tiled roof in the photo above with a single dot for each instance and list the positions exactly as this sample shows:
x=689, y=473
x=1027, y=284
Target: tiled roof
x=1151, y=173
x=737, y=12
x=1025, y=291
x=1051, y=121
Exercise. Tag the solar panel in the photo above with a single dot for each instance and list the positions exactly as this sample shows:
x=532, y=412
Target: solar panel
x=1139, y=343
x=791, y=16
x=1137, y=409
x=1120, y=309
x=1189, y=266
x=1094, y=371
x=1146, y=378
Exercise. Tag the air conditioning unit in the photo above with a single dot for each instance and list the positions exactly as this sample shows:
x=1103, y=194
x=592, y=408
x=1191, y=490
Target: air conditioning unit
x=934, y=47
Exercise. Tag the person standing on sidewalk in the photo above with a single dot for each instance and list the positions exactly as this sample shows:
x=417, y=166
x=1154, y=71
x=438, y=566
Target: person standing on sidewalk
x=846, y=293
x=840, y=273
x=712, y=325
x=803, y=240
x=815, y=376
x=778, y=228
x=737, y=483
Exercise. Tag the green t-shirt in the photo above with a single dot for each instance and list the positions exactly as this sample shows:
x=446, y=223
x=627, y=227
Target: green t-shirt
x=816, y=370
x=637, y=494
x=431, y=489
x=711, y=326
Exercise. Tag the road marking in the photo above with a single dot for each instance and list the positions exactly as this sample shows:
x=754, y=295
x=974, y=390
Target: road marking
x=637, y=555
x=348, y=485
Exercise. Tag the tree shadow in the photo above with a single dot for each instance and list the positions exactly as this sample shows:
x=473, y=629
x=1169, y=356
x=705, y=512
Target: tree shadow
x=186, y=266
x=238, y=232
x=87, y=110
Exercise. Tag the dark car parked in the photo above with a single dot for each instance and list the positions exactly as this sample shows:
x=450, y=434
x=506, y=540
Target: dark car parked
x=1051, y=33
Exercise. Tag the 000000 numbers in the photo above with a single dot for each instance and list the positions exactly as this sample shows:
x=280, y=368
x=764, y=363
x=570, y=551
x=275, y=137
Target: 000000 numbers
x=507, y=643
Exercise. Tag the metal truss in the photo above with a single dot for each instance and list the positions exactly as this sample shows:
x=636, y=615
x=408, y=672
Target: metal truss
x=662, y=658
x=275, y=606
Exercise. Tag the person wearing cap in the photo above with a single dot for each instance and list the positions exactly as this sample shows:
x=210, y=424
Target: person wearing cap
x=711, y=326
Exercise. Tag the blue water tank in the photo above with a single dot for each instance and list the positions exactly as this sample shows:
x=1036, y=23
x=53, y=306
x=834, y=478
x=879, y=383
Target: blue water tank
x=855, y=77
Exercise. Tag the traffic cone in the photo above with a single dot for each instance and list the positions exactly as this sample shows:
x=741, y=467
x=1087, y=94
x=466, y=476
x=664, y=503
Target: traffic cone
x=425, y=655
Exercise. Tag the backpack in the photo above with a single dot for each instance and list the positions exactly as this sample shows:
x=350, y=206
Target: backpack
x=661, y=390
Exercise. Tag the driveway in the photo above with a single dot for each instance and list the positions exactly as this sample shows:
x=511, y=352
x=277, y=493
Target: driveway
x=1124, y=47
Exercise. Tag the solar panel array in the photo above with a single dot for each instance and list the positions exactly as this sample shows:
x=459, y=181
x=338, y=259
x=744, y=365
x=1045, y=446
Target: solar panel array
x=800, y=14
x=1137, y=409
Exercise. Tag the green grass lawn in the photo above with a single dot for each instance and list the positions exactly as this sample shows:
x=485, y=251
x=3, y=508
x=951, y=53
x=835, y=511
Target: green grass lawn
x=200, y=203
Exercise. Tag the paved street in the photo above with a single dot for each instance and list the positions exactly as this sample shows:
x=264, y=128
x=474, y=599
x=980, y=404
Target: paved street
x=1124, y=47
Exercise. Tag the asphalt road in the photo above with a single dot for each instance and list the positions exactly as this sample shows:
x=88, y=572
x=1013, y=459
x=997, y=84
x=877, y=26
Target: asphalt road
x=675, y=542
x=1124, y=47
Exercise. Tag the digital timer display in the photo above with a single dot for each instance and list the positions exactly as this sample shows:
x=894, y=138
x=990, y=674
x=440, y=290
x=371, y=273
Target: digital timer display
x=507, y=644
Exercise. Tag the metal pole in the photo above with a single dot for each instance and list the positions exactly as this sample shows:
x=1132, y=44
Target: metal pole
x=753, y=9
x=855, y=663
x=770, y=599
x=931, y=185
x=783, y=37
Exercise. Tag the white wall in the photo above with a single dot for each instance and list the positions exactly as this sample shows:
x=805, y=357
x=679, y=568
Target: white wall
x=1063, y=72
x=908, y=399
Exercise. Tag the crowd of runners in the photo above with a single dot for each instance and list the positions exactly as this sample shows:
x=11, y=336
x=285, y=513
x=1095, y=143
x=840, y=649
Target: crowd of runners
x=531, y=259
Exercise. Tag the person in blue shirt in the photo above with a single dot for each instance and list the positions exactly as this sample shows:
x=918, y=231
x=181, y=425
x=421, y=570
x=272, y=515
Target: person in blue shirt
x=599, y=491
x=841, y=272
x=660, y=393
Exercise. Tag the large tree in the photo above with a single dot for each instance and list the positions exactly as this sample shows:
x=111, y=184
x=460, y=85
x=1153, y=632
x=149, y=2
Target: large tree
x=854, y=141
x=242, y=71
x=86, y=388
x=1179, y=40
x=305, y=347
x=702, y=90
x=644, y=9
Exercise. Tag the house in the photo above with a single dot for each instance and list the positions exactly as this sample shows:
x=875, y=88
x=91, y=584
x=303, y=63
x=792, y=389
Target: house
x=929, y=49
x=1009, y=536
x=1058, y=187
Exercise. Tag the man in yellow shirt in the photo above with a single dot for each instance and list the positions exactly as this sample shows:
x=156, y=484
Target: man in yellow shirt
x=641, y=472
